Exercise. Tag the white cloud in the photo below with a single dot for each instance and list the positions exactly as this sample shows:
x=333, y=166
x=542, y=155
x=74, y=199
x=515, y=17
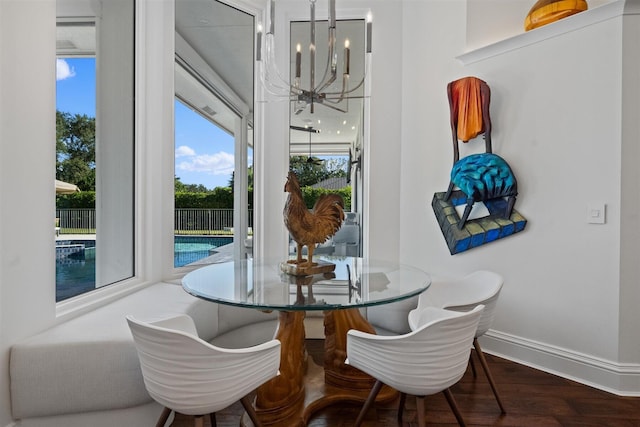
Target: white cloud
x=184, y=151
x=63, y=71
x=214, y=164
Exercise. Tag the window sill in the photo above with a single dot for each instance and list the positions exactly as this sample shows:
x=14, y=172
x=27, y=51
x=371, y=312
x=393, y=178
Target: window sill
x=96, y=298
x=566, y=25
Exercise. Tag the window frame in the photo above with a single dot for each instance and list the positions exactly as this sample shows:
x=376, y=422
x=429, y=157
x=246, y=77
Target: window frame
x=82, y=12
x=190, y=61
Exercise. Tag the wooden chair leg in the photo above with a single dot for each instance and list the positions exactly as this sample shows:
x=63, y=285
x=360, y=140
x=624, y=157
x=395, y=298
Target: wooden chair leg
x=403, y=397
x=164, y=416
x=473, y=366
x=485, y=367
x=212, y=419
x=420, y=407
x=250, y=411
x=198, y=421
x=372, y=397
x=454, y=407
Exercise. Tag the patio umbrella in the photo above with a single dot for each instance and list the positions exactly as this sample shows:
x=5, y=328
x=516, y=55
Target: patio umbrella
x=65, y=187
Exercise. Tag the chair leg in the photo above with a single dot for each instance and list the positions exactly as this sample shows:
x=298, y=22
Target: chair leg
x=449, y=191
x=485, y=366
x=198, y=421
x=420, y=407
x=212, y=419
x=164, y=416
x=465, y=214
x=454, y=407
x=250, y=411
x=403, y=397
x=473, y=366
x=510, y=203
x=372, y=397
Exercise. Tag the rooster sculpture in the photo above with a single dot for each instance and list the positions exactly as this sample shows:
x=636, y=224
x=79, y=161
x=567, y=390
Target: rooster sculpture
x=310, y=227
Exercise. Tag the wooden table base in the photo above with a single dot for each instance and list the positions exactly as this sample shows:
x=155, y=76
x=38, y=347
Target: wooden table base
x=303, y=388
x=317, y=396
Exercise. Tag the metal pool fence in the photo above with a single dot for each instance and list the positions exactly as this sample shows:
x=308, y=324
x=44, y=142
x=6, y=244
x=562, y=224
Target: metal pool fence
x=186, y=221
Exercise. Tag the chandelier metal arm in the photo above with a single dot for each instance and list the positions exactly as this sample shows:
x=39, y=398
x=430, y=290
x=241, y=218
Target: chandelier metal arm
x=332, y=62
x=328, y=104
x=346, y=91
x=276, y=84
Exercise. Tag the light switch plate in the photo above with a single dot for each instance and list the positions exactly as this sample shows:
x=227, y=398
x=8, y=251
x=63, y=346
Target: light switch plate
x=596, y=213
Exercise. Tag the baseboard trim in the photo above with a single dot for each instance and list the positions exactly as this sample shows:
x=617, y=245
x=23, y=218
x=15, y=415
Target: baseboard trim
x=617, y=378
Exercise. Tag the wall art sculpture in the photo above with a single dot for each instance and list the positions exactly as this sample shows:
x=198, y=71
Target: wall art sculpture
x=477, y=179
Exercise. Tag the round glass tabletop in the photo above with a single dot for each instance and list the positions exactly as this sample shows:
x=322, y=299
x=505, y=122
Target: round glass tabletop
x=355, y=282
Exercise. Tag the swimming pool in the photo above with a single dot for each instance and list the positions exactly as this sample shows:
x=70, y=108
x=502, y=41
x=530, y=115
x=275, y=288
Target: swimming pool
x=188, y=249
x=76, y=273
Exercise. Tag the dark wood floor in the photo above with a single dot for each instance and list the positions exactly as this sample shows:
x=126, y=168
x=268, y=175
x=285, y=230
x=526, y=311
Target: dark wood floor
x=532, y=398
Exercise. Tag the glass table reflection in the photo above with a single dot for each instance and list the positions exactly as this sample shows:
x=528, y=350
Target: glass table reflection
x=302, y=387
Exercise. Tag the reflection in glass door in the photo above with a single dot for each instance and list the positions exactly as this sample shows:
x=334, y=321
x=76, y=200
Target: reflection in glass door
x=204, y=181
x=213, y=78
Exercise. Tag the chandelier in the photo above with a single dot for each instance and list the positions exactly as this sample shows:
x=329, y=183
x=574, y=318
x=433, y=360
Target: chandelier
x=329, y=88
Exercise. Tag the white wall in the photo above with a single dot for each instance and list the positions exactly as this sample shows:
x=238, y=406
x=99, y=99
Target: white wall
x=27, y=156
x=556, y=113
x=384, y=166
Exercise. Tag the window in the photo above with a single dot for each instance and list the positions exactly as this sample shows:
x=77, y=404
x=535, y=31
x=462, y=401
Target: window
x=213, y=132
x=204, y=168
x=94, y=145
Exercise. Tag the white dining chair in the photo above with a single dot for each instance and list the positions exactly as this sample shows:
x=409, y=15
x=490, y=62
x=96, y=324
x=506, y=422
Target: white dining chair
x=480, y=287
x=190, y=376
x=423, y=362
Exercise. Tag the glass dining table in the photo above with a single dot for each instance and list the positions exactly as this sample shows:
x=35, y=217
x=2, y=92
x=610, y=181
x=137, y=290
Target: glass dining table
x=339, y=292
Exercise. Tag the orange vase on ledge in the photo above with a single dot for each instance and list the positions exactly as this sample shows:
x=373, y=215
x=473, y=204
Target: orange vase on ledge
x=547, y=11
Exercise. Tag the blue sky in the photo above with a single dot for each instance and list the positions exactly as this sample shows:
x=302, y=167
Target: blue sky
x=204, y=153
x=76, y=86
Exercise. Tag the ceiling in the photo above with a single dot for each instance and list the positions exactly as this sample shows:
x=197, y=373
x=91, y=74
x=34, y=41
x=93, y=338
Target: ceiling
x=222, y=36
x=76, y=38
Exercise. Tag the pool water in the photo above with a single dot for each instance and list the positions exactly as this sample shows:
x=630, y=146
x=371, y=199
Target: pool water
x=186, y=253
x=76, y=274
x=188, y=249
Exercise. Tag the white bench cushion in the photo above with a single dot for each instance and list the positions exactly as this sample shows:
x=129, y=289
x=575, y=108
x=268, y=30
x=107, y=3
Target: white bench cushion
x=90, y=363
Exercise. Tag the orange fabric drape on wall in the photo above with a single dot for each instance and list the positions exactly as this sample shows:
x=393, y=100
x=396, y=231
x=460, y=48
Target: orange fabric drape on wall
x=468, y=105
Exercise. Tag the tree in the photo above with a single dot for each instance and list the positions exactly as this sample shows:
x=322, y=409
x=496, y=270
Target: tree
x=310, y=173
x=76, y=149
x=178, y=186
x=181, y=187
x=249, y=178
